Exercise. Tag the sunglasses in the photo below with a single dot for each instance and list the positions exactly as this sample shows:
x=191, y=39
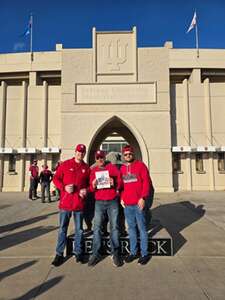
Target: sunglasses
x=99, y=157
x=126, y=154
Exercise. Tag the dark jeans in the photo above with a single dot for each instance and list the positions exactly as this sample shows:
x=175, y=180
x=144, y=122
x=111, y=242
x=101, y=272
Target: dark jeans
x=45, y=187
x=111, y=208
x=33, y=188
x=135, y=218
x=64, y=219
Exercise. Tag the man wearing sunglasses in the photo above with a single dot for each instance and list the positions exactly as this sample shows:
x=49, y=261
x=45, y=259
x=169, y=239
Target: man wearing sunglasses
x=105, y=181
x=72, y=179
x=136, y=188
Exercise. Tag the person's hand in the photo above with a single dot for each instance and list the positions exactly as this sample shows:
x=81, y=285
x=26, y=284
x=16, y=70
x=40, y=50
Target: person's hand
x=83, y=193
x=141, y=203
x=94, y=183
x=69, y=188
x=111, y=181
x=122, y=203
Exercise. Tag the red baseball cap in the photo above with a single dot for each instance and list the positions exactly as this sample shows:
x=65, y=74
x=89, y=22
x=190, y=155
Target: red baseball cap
x=99, y=153
x=128, y=148
x=80, y=148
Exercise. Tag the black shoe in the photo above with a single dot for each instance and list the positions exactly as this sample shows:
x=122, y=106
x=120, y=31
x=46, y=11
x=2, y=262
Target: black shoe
x=93, y=260
x=58, y=260
x=79, y=258
x=117, y=261
x=143, y=260
x=130, y=258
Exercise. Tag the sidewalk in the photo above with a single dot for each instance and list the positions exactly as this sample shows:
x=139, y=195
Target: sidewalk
x=195, y=221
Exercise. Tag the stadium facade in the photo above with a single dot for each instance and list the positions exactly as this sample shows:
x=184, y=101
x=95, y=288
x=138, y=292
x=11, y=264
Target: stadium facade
x=168, y=103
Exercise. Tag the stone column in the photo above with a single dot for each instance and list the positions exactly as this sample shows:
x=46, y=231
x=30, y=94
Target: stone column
x=3, y=128
x=45, y=133
x=208, y=123
x=187, y=132
x=94, y=56
x=24, y=135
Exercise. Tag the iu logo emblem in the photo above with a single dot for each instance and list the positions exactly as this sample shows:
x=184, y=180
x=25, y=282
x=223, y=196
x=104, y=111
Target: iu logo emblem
x=115, y=54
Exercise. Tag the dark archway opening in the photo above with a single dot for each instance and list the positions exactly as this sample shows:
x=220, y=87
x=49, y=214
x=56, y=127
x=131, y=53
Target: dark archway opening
x=113, y=127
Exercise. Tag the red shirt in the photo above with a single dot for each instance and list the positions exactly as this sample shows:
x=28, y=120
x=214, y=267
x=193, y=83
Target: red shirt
x=34, y=170
x=71, y=172
x=136, y=182
x=106, y=193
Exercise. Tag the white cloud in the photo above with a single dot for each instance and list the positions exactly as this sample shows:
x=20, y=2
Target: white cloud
x=18, y=46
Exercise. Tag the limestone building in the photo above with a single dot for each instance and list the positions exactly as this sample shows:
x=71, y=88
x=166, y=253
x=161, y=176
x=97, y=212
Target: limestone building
x=168, y=103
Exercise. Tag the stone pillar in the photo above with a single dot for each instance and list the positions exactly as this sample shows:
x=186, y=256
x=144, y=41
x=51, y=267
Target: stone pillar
x=24, y=135
x=187, y=132
x=135, y=54
x=45, y=133
x=3, y=129
x=94, y=56
x=208, y=123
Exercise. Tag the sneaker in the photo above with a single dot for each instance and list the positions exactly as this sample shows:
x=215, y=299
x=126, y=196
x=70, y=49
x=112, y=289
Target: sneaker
x=79, y=258
x=93, y=260
x=117, y=261
x=58, y=260
x=143, y=260
x=130, y=258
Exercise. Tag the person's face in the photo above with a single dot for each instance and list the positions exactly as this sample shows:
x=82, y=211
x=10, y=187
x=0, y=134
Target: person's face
x=100, y=161
x=35, y=163
x=79, y=155
x=128, y=156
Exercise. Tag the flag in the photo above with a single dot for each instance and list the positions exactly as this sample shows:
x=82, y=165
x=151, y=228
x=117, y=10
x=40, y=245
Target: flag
x=193, y=22
x=28, y=28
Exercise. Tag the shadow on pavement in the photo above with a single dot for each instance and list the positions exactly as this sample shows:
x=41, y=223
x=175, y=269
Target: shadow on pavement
x=13, y=226
x=24, y=236
x=40, y=289
x=16, y=269
x=4, y=206
x=174, y=218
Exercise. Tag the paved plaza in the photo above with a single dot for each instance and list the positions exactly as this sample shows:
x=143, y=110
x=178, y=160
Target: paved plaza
x=194, y=220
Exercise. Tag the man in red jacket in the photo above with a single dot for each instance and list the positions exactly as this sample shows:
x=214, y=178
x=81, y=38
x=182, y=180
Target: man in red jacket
x=105, y=181
x=72, y=179
x=34, y=179
x=136, y=188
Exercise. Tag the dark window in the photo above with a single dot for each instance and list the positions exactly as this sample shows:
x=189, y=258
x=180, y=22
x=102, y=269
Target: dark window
x=199, y=163
x=176, y=163
x=32, y=157
x=55, y=160
x=221, y=162
x=12, y=163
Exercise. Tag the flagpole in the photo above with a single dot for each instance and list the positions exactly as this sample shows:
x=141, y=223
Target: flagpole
x=31, y=37
x=196, y=37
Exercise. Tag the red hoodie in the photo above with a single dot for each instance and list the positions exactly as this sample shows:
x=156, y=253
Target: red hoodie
x=136, y=182
x=71, y=172
x=107, y=193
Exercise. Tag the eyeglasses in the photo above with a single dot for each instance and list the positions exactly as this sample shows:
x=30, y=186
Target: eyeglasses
x=99, y=157
x=126, y=154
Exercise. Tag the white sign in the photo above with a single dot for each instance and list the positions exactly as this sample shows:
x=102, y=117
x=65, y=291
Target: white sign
x=103, y=180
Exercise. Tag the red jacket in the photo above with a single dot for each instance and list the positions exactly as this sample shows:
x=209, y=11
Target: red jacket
x=136, y=182
x=34, y=170
x=107, y=193
x=71, y=172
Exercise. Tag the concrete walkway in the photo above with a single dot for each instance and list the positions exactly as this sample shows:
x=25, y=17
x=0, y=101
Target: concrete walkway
x=195, y=221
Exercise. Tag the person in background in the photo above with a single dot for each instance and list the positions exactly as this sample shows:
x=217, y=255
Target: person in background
x=136, y=189
x=34, y=179
x=45, y=181
x=57, y=191
x=105, y=182
x=72, y=179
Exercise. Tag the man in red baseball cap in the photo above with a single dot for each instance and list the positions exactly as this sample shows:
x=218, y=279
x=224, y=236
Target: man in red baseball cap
x=34, y=179
x=136, y=188
x=105, y=181
x=72, y=179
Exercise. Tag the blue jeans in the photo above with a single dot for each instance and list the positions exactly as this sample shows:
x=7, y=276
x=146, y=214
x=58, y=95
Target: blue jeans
x=135, y=218
x=112, y=209
x=64, y=219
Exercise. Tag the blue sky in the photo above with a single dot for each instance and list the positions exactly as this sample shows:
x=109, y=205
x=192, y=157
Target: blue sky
x=70, y=22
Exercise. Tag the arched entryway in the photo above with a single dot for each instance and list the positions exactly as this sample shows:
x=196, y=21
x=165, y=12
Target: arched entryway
x=110, y=127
